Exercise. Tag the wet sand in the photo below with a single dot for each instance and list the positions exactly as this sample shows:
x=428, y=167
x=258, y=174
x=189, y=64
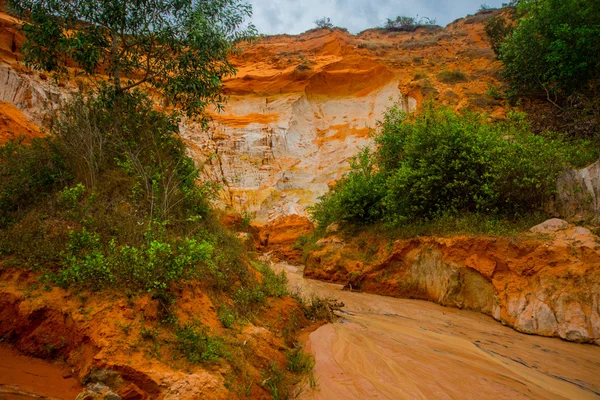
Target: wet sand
x=23, y=377
x=387, y=348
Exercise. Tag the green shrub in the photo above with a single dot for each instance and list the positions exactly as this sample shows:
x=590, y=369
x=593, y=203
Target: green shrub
x=438, y=163
x=356, y=198
x=252, y=295
x=227, y=315
x=553, y=50
x=273, y=284
x=453, y=163
x=84, y=263
x=199, y=346
x=70, y=196
x=152, y=267
x=497, y=28
x=407, y=24
x=28, y=171
x=452, y=76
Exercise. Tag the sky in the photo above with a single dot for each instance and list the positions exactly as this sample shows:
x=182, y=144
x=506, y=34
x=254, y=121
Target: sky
x=296, y=16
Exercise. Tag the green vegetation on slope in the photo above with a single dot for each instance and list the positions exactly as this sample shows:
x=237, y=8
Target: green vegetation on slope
x=553, y=48
x=97, y=206
x=550, y=52
x=110, y=202
x=437, y=165
x=179, y=48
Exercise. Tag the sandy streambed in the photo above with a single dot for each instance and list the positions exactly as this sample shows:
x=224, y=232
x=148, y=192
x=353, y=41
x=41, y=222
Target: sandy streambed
x=388, y=348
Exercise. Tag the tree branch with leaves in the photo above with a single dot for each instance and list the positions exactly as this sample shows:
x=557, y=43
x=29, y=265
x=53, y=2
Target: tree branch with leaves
x=180, y=48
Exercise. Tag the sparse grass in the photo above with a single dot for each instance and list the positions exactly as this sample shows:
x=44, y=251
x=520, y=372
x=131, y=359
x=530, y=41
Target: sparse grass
x=494, y=92
x=452, y=77
x=126, y=327
x=275, y=382
x=197, y=345
x=415, y=44
x=148, y=333
x=450, y=225
x=273, y=284
x=373, y=46
x=298, y=361
x=303, y=67
x=227, y=315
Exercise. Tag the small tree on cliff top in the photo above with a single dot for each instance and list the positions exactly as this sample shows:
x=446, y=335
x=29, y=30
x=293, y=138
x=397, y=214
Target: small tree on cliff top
x=324, y=23
x=178, y=47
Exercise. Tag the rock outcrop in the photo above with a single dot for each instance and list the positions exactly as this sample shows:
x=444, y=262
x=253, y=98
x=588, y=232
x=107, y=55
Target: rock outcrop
x=279, y=237
x=545, y=285
x=301, y=106
x=578, y=194
x=118, y=346
x=26, y=97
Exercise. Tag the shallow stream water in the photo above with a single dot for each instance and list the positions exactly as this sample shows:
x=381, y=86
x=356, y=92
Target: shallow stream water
x=388, y=348
x=23, y=377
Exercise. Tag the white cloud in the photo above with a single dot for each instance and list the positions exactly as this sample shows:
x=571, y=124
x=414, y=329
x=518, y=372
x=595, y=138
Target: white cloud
x=294, y=16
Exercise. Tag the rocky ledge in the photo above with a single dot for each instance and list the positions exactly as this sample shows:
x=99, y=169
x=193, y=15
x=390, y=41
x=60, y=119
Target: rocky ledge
x=545, y=283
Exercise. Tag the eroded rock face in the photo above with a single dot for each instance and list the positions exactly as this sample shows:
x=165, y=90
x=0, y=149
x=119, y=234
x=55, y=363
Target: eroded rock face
x=301, y=106
x=279, y=237
x=578, y=194
x=29, y=93
x=548, y=287
x=100, y=339
x=26, y=97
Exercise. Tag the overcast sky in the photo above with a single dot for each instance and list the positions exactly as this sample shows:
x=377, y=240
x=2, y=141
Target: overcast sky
x=296, y=16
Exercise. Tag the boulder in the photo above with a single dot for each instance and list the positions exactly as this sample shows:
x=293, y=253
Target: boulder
x=550, y=226
x=578, y=194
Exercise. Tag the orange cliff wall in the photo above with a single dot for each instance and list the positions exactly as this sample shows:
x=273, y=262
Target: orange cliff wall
x=301, y=106
x=25, y=96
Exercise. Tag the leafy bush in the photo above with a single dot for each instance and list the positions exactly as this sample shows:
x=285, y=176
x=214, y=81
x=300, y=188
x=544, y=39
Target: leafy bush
x=439, y=163
x=70, y=196
x=152, y=267
x=497, y=28
x=28, y=171
x=324, y=23
x=553, y=51
x=407, y=24
x=356, y=198
x=199, y=346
